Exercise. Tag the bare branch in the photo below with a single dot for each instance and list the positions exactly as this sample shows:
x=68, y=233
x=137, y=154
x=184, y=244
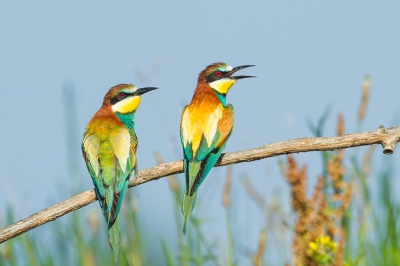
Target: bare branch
x=388, y=138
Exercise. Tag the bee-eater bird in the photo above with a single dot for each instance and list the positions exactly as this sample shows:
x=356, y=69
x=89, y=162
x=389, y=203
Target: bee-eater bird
x=109, y=149
x=206, y=125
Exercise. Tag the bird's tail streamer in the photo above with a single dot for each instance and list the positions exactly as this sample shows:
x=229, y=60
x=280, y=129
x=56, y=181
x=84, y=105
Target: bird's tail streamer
x=187, y=207
x=114, y=237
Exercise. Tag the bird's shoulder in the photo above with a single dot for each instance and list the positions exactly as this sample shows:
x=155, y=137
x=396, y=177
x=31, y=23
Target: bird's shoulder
x=227, y=118
x=103, y=123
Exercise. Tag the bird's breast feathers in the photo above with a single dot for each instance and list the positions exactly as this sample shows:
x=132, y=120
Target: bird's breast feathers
x=203, y=120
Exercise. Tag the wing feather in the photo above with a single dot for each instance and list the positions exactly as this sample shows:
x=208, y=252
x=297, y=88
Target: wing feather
x=120, y=140
x=110, y=175
x=90, y=148
x=199, y=162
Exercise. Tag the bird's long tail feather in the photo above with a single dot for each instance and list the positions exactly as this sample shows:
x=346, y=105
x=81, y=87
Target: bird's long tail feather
x=114, y=237
x=189, y=198
x=187, y=207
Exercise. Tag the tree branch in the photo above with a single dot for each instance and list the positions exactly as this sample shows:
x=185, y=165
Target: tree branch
x=388, y=138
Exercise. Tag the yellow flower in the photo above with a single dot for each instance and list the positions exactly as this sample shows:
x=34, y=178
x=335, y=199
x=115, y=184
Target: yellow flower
x=313, y=246
x=323, y=249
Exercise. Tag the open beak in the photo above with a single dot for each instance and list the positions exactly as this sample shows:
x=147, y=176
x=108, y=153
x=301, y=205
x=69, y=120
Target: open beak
x=146, y=89
x=235, y=69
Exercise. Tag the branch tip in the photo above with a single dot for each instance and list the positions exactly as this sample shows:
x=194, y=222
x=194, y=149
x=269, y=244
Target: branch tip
x=389, y=145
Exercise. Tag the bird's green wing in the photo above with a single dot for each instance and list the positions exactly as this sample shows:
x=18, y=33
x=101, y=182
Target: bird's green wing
x=124, y=145
x=110, y=171
x=197, y=166
x=90, y=151
x=122, y=180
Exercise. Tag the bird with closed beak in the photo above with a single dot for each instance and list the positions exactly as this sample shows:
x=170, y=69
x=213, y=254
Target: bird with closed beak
x=109, y=148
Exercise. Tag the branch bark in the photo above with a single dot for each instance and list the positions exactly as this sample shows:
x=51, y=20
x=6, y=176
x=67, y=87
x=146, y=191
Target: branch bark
x=388, y=138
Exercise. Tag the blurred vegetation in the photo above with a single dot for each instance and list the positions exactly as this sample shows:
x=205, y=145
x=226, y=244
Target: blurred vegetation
x=350, y=219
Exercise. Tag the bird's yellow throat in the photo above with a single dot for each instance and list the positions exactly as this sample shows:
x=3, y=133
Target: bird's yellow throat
x=222, y=85
x=127, y=105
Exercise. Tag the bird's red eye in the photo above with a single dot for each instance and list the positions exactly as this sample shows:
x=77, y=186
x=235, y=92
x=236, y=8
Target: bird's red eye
x=218, y=73
x=121, y=95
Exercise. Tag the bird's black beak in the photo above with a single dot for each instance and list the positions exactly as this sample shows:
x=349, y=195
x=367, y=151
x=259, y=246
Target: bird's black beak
x=144, y=90
x=235, y=69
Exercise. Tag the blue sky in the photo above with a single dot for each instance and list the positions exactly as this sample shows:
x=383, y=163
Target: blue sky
x=307, y=54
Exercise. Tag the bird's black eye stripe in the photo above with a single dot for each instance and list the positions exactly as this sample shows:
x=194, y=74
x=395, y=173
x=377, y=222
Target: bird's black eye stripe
x=119, y=97
x=216, y=75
